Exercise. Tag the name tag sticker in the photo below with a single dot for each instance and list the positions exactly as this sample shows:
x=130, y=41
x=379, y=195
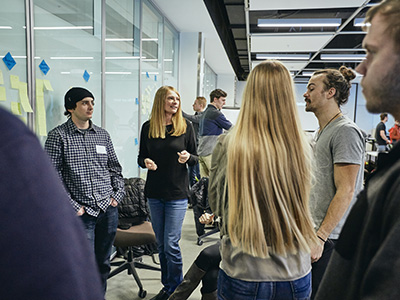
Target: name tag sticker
x=101, y=149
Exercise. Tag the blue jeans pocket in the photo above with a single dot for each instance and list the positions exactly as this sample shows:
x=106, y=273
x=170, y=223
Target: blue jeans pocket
x=234, y=289
x=302, y=288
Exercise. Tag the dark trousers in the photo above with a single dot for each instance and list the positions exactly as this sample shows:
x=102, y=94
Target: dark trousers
x=319, y=267
x=101, y=232
x=208, y=261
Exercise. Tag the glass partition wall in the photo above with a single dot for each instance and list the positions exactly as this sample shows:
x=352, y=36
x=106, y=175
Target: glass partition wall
x=67, y=39
x=13, y=67
x=120, y=50
x=122, y=60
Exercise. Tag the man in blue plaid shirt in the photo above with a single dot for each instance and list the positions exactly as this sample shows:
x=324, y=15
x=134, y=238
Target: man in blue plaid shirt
x=85, y=159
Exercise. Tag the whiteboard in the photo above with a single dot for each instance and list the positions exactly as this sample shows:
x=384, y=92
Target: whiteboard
x=231, y=114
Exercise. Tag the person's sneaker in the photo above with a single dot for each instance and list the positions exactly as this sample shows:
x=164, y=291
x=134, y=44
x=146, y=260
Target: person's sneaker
x=162, y=295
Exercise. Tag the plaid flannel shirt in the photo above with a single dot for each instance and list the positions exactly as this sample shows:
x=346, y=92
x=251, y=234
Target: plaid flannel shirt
x=87, y=164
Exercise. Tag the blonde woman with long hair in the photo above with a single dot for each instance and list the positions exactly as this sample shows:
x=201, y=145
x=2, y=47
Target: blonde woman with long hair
x=167, y=145
x=259, y=183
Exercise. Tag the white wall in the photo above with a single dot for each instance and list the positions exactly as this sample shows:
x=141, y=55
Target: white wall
x=227, y=83
x=240, y=85
x=188, y=49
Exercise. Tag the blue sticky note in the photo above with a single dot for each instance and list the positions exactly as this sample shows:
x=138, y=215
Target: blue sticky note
x=136, y=141
x=155, y=77
x=147, y=75
x=9, y=61
x=44, y=67
x=137, y=101
x=86, y=76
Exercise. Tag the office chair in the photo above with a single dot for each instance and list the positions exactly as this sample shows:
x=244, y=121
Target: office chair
x=212, y=231
x=199, y=197
x=136, y=235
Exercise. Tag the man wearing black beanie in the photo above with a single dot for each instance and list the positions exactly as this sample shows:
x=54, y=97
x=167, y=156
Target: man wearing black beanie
x=84, y=157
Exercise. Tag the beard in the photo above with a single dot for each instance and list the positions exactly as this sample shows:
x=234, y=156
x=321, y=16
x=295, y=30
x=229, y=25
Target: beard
x=384, y=94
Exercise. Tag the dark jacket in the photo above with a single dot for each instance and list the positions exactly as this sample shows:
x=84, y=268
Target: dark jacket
x=133, y=208
x=212, y=124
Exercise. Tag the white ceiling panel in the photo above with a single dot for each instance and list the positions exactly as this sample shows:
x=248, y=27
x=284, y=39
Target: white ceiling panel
x=302, y=4
x=194, y=17
x=288, y=43
x=291, y=65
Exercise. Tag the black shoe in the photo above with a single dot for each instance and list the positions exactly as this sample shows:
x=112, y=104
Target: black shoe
x=162, y=295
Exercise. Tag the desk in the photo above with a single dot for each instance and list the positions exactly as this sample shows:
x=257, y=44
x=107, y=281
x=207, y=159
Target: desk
x=372, y=153
x=370, y=144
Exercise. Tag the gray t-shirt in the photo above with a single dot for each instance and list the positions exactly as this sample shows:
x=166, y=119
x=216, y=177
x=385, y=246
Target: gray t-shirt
x=240, y=265
x=339, y=142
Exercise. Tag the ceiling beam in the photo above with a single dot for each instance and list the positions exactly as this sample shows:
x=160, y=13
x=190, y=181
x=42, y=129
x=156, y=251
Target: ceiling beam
x=219, y=16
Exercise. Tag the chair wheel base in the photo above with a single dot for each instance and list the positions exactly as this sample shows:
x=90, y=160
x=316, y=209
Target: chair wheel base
x=142, y=293
x=199, y=242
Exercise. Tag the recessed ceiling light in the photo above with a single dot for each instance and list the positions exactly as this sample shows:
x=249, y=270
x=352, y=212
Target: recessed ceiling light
x=299, y=22
x=283, y=56
x=343, y=56
x=360, y=22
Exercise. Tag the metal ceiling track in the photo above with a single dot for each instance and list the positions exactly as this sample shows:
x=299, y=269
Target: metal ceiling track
x=355, y=13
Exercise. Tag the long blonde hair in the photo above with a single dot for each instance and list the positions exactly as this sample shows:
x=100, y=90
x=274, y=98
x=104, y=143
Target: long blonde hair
x=269, y=168
x=157, y=117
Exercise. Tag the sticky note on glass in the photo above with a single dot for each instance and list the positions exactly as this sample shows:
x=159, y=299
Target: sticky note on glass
x=44, y=67
x=47, y=85
x=16, y=108
x=23, y=97
x=1, y=77
x=39, y=88
x=9, y=61
x=3, y=93
x=86, y=76
x=14, y=80
x=41, y=116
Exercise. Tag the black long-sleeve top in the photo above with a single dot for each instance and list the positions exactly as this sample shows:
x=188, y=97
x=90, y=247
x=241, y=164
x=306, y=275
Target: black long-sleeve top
x=170, y=180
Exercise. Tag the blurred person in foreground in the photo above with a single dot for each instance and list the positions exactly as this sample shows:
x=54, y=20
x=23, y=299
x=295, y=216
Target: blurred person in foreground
x=366, y=261
x=44, y=250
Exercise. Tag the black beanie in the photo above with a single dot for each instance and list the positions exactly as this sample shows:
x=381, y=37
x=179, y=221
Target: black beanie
x=74, y=95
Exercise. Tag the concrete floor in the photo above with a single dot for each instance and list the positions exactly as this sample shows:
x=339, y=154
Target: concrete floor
x=123, y=286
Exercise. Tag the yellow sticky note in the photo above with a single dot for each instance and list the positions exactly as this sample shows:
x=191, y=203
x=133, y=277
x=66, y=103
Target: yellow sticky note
x=41, y=116
x=3, y=93
x=39, y=88
x=14, y=80
x=47, y=85
x=23, y=119
x=16, y=108
x=1, y=77
x=23, y=96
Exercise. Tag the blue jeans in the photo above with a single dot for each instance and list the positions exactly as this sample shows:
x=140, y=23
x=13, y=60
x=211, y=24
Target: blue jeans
x=232, y=289
x=167, y=219
x=101, y=232
x=381, y=148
